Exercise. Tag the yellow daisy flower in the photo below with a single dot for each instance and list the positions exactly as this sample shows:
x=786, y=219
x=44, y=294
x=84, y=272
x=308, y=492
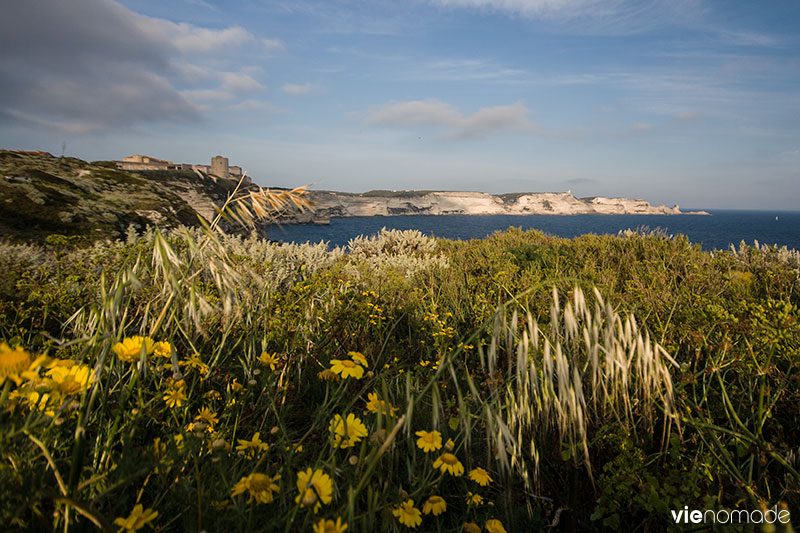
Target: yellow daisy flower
x=373, y=405
x=449, y=463
x=162, y=349
x=347, y=432
x=194, y=361
x=435, y=505
x=328, y=375
x=69, y=380
x=347, y=368
x=329, y=526
x=407, y=514
x=208, y=416
x=359, y=358
x=269, y=359
x=176, y=394
x=480, y=476
x=474, y=499
x=13, y=362
x=494, y=526
x=429, y=441
x=471, y=527
x=253, y=446
x=315, y=488
x=138, y=518
x=130, y=349
x=260, y=487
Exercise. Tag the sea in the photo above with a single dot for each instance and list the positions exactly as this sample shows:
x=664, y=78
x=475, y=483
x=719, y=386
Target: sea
x=716, y=231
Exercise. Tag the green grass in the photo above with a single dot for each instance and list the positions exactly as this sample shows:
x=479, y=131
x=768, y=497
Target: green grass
x=601, y=381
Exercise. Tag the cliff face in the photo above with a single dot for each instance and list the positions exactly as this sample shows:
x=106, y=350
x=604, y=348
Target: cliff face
x=334, y=204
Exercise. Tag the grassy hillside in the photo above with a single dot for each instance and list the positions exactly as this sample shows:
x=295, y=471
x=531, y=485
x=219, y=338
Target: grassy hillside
x=40, y=195
x=513, y=383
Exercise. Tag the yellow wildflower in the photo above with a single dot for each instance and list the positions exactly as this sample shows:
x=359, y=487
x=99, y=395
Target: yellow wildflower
x=347, y=368
x=329, y=526
x=328, y=375
x=40, y=401
x=449, y=463
x=435, y=505
x=72, y=380
x=315, y=488
x=429, y=441
x=407, y=514
x=269, y=359
x=194, y=361
x=162, y=349
x=494, y=526
x=138, y=518
x=176, y=394
x=13, y=362
x=220, y=505
x=359, y=358
x=474, y=499
x=347, y=432
x=353, y=367
x=130, y=349
x=208, y=416
x=253, y=446
x=472, y=527
x=260, y=487
x=480, y=476
x=373, y=405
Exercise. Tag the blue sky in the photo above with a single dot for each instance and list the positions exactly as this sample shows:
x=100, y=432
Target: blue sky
x=688, y=102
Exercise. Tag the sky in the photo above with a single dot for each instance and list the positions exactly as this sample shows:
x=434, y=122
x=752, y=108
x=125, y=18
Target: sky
x=689, y=102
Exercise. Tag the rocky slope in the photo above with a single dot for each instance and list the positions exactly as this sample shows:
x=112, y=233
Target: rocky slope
x=40, y=195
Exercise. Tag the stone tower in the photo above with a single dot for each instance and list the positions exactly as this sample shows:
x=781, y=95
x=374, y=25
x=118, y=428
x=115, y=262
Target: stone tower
x=219, y=166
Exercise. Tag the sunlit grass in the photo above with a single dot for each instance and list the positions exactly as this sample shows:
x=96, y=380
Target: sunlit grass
x=192, y=380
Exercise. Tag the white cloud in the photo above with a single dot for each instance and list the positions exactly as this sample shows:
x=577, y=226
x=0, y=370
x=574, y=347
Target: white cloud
x=190, y=39
x=253, y=105
x=457, y=125
x=295, y=89
x=592, y=17
x=525, y=7
x=272, y=44
x=207, y=95
x=239, y=82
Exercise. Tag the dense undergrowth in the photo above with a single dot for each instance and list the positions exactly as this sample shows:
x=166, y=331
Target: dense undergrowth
x=516, y=382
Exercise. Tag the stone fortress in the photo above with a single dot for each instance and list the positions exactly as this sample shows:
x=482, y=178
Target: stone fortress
x=219, y=166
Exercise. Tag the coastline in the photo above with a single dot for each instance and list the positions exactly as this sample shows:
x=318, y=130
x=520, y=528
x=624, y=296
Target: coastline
x=332, y=204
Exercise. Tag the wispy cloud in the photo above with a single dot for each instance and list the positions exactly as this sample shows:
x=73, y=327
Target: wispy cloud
x=478, y=69
x=297, y=89
x=253, y=105
x=435, y=113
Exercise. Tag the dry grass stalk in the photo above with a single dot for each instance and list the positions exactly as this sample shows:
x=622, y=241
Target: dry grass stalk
x=590, y=365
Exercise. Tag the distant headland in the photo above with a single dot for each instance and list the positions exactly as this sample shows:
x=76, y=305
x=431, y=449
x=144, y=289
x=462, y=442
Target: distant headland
x=331, y=204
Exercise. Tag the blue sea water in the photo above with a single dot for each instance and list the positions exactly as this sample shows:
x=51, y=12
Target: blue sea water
x=714, y=232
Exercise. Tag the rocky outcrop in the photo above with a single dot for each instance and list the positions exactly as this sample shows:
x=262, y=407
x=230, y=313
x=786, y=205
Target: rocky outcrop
x=388, y=203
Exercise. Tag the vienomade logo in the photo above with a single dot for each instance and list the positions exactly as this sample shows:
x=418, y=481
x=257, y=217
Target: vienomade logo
x=736, y=516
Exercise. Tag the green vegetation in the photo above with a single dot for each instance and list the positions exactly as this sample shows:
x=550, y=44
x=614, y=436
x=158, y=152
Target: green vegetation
x=40, y=195
x=397, y=194
x=591, y=384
